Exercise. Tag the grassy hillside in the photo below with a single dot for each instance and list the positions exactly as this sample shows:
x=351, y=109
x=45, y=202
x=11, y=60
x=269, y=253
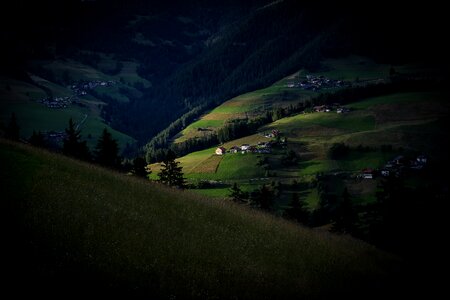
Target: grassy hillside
x=350, y=69
x=77, y=226
x=408, y=122
x=23, y=97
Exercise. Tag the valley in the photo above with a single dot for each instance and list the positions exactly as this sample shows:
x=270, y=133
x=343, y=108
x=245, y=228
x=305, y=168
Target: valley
x=223, y=149
x=120, y=235
x=69, y=89
x=375, y=130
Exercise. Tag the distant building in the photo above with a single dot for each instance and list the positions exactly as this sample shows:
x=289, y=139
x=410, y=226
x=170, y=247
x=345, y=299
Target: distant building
x=221, y=151
x=263, y=145
x=399, y=160
x=245, y=147
x=342, y=110
x=319, y=108
x=367, y=173
x=235, y=149
x=422, y=159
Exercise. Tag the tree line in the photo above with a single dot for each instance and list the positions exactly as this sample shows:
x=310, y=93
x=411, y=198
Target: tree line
x=402, y=218
x=105, y=153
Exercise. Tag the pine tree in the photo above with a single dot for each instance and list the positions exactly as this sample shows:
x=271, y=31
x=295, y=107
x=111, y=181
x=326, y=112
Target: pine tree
x=72, y=144
x=237, y=194
x=263, y=197
x=298, y=210
x=13, y=130
x=107, y=150
x=140, y=167
x=171, y=173
x=345, y=216
x=37, y=139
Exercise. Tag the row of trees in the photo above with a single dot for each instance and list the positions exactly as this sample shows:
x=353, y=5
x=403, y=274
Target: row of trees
x=264, y=199
x=385, y=222
x=106, y=153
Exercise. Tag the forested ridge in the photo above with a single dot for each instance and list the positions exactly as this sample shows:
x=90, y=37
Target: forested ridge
x=197, y=55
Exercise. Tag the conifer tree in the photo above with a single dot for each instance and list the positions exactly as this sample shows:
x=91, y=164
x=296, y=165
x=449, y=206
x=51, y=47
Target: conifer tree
x=140, y=167
x=171, y=173
x=263, y=197
x=12, y=130
x=237, y=194
x=345, y=215
x=298, y=210
x=107, y=151
x=37, y=139
x=73, y=145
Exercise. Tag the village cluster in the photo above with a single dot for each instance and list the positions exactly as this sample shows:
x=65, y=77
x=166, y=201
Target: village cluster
x=396, y=167
x=56, y=102
x=79, y=89
x=316, y=83
x=82, y=87
x=54, y=137
x=330, y=108
x=261, y=147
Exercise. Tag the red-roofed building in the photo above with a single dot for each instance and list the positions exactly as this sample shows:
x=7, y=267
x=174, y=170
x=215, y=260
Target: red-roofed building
x=367, y=173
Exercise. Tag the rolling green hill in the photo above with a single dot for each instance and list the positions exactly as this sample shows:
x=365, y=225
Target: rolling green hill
x=406, y=122
x=251, y=104
x=74, y=227
x=22, y=97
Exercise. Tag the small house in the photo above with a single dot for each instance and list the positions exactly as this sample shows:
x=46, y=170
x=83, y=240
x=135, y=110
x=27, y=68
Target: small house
x=319, y=108
x=220, y=151
x=245, y=147
x=234, y=149
x=342, y=110
x=252, y=149
x=422, y=159
x=275, y=132
x=367, y=173
x=399, y=160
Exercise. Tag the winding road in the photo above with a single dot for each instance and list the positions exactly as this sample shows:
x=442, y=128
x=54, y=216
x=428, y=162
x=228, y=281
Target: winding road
x=82, y=122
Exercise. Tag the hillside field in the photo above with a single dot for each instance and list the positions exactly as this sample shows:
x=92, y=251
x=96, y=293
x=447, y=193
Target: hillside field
x=353, y=69
x=408, y=122
x=80, y=228
x=22, y=97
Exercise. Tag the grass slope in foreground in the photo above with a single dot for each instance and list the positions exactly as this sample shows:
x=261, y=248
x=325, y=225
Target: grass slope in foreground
x=77, y=226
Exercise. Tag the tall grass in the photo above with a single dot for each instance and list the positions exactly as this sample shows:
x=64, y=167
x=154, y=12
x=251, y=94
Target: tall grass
x=79, y=226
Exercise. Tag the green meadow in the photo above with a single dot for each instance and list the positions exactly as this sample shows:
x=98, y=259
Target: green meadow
x=353, y=68
x=21, y=98
x=408, y=121
x=78, y=221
